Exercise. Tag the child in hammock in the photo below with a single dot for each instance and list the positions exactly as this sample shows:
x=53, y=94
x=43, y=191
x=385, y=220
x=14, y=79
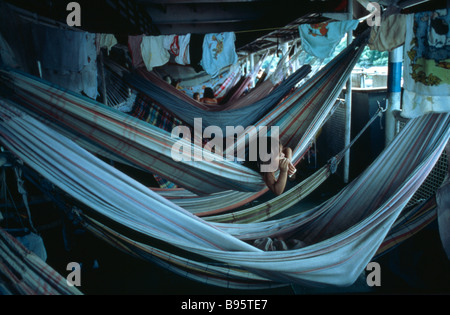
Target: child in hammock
x=285, y=167
x=208, y=97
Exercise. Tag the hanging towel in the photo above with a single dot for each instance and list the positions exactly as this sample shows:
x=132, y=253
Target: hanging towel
x=218, y=52
x=390, y=34
x=178, y=46
x=170, y=42
x=321, y=39
x=427, y=64
x=134, y=45
x=107, y=41
x=153, y=52
x=68, y=58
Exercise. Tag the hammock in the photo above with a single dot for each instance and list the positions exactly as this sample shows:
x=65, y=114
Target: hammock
x=410, y=222
x=23, y=272
x=294, y=195
x=239, y=90
x=406, y=226
x=341, y=236
x=187, y=109
x=229, y=94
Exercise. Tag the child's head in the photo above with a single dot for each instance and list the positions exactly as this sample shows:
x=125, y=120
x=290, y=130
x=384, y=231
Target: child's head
x=208, y=93
x=269, y=153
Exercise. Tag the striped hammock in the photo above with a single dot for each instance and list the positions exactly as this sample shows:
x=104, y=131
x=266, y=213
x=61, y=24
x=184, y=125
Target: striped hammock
x=188, y=109
x=24, y=273
x=340, y=236
x=232, y=277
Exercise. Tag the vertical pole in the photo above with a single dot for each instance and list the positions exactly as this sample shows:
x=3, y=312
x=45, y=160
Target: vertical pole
x=102, y=74
x=285, y=49
x=252, y=67
x=394, y=92
x=348, y=106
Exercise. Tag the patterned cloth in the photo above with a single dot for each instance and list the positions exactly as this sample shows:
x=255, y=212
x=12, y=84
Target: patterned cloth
x=219, y=51
x=321, y=39
x=427, y=64
x=178, y=46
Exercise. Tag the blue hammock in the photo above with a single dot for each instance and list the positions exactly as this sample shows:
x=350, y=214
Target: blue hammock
x=244, y=116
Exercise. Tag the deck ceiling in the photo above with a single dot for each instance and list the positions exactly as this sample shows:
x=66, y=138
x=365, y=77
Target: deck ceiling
x=249, y=19
x=258, y=24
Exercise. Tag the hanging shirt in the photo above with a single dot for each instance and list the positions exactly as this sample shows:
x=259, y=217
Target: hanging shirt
x=178, y=46
x=68, y=58
x=321, y=39
x=153, y=52
x=219, y=51
x=426, y=69
x=107, y=41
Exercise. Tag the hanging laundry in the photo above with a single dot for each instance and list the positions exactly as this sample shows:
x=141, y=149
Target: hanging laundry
x=107, y=41
x=390, y=34
x=134, y=46
x=218, y=52
x=153, y=52
x=321, y=39
x=170, y=43
x=426, y=66
x=67, y=50
x=68, y=58
x=178, y=46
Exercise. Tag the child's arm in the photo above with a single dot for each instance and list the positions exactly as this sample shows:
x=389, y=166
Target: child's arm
x=277, y=186
x=288, y=155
